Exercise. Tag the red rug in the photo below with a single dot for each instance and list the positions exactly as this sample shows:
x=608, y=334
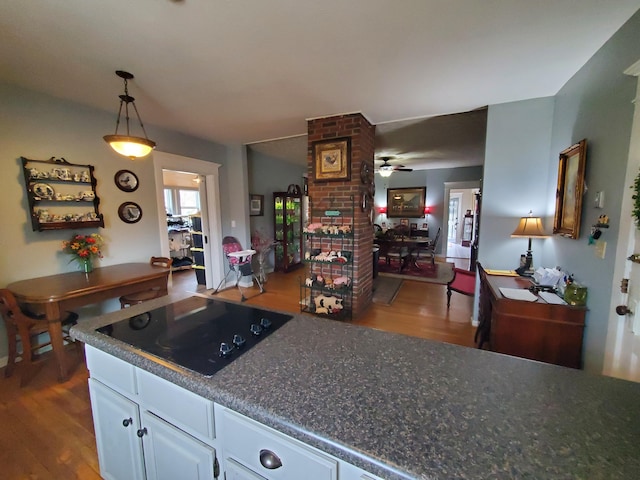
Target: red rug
x=437, y=273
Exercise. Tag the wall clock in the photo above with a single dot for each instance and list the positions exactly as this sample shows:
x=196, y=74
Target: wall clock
x=130, y=212
x=126, y=180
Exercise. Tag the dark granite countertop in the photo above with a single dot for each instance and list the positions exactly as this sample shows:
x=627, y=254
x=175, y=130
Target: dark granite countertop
x=403, y=408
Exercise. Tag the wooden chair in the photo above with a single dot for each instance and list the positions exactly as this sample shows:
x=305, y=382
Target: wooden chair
x=139, y=297
x=394, y=249
x=29, y=329
x=463, y=282
x=429, y=250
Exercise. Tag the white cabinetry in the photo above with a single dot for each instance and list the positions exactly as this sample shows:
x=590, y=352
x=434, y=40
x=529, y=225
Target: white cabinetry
x=139, y=439
x=149, y=428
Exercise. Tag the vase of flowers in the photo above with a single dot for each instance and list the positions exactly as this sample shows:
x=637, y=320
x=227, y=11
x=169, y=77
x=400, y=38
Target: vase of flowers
x=83, y=249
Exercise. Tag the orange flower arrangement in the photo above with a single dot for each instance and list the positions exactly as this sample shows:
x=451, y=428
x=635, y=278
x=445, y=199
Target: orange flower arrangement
x=84, y=246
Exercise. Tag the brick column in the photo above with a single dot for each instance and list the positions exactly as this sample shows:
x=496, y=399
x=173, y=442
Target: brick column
x=338, y=193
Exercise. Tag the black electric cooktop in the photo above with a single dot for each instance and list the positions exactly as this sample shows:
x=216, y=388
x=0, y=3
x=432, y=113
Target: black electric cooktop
x=201, y=334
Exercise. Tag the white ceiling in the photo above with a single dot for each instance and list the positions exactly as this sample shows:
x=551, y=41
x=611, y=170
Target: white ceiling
x=243, y=71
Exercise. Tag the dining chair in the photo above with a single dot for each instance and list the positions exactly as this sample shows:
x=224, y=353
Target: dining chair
x=32, y=331
x=429, y=250
x=397, y=251
x=146, y=295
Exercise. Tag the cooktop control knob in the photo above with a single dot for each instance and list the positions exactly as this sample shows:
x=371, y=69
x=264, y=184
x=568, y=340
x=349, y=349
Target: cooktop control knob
x=256, y=329
x=239, y=341
x=265, y=323
x=225, y=350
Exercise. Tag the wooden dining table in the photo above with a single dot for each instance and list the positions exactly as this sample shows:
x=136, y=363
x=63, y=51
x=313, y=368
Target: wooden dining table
x=54, y=295
x=410, y=243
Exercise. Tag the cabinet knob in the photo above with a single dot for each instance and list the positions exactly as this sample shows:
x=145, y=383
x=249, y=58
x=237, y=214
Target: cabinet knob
x=141, y=432
x=269, y=460
x=127, y=421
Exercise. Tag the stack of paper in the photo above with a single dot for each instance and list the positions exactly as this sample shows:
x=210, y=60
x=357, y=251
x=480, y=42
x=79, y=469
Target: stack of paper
x=518, y=294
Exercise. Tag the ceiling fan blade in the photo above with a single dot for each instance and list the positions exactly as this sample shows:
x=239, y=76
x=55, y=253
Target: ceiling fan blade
x=397, y=169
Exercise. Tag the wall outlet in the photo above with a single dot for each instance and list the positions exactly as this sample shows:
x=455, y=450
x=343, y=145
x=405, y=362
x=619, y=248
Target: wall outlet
x=601, y=248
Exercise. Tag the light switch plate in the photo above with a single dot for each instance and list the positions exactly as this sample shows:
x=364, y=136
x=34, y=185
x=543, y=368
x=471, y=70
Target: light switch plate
x=598, y=201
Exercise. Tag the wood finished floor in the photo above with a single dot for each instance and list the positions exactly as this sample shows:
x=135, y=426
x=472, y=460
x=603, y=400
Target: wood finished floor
x=46, y=429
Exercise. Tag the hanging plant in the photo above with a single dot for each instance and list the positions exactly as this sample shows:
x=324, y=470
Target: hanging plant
x=636, y=200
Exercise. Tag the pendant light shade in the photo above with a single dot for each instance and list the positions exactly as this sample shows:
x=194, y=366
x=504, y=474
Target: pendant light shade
x=129, y=145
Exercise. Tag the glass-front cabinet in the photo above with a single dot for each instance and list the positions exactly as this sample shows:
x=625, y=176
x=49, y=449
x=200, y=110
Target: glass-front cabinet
x=288, y=230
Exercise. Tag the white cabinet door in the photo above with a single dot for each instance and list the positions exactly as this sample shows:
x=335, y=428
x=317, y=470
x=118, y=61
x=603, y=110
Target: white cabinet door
x=172, y=454
x=116, y=421
x=236, y=471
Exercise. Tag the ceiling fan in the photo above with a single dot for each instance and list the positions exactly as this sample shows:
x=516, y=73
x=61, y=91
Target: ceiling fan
x=386, y=169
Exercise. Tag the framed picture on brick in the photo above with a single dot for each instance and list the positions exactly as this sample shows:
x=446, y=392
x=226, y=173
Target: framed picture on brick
x=332, y=160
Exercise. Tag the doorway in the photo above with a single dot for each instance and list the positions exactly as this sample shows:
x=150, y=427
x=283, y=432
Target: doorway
x=460, y=217
x=207, y=201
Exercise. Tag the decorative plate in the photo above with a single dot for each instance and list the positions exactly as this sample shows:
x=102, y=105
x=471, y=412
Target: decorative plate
x=365, y=173
x=126, y=180
x=43, y=190
x=130, y=212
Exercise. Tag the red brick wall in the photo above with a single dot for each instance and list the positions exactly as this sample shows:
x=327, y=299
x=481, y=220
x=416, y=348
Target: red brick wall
x=338, y=194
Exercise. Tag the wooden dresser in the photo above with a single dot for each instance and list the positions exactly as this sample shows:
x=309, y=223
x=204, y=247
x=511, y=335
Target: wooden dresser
x=535, y=330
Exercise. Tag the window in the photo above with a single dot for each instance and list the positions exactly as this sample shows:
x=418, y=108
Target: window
x=181, y=201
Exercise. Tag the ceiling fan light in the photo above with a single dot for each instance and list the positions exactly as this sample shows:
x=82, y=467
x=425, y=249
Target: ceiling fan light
x=385, y=171
x=132, y=147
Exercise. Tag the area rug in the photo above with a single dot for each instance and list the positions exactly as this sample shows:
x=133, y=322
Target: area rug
x=440, y=272
x=385, y=290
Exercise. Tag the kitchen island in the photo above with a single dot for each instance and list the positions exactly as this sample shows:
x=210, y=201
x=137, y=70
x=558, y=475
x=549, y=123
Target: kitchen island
x=403, y=408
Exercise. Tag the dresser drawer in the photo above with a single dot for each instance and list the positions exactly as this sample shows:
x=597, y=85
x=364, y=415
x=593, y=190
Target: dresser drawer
x=116, y=373
x=184, y=409
x=244, y=440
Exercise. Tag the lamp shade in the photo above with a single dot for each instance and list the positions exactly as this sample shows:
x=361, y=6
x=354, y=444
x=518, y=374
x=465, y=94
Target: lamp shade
x=385, y=172
x=132, y=147
x=529, y=227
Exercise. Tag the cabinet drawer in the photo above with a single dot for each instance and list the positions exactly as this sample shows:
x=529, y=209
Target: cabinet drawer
x=116, y=373
x=185, y=409
x=244, y=439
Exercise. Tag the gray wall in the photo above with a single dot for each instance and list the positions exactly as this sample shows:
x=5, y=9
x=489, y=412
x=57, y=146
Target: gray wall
x=38, y=126
x=516, y=179
x=524, y=140
x=268, y=174
x=596, y=104
x=434, y=180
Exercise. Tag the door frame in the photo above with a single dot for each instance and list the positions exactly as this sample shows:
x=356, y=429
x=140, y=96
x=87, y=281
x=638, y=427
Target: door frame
x=448, y=186
x=619, y=361
x=210, y=206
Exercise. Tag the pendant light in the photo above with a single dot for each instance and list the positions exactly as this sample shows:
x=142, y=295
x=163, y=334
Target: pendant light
x=127, y=145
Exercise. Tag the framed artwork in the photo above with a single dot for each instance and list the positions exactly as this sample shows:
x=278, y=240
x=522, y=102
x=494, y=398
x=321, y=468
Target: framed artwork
x=256, y=205
x=406, y=202
x=130, y=212
x=126, y=180
x=571, y=169
x=332, y=160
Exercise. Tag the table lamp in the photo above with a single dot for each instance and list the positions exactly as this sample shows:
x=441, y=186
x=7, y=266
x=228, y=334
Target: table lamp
x=529, y=227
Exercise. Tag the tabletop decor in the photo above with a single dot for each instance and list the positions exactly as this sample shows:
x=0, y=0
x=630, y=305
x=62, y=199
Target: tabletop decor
x=83, y=249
